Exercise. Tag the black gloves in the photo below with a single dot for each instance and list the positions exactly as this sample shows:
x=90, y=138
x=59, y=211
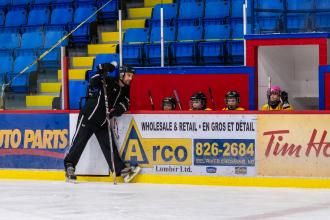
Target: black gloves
x=105, y=68
x=284, y=97
x=285, y=100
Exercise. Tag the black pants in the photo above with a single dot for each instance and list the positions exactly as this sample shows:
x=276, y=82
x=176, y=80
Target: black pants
x=82, y=135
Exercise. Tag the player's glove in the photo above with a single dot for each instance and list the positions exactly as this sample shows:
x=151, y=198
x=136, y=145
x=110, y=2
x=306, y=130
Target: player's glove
x=105, y=68
x=285, y=99
x=111, y=113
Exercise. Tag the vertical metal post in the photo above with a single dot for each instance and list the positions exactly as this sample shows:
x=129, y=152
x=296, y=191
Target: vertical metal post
x=65, y=80
x=162, y=37
x=244, y=27
x=120, y=38
x=269, y=91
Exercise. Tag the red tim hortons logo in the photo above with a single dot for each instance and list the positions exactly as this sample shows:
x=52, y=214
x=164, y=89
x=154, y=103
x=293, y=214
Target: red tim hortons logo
x=278, y=145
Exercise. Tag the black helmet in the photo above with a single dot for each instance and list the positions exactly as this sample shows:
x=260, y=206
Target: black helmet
x=125, y=69
x=232, y=95
x=199, y=96
x=169, y=100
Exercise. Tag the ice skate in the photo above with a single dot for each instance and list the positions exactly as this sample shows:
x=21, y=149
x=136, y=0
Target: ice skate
x=130, y=172
x=70, y=177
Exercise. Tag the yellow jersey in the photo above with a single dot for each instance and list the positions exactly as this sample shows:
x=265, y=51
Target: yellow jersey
x=278, y=107
x=236, y=109
x=207, y=109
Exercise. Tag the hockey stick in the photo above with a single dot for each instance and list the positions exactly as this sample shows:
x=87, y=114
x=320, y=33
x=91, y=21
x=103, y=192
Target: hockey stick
x=177, y=99
x=109, y=131
x=151, y=101
x=268, y=92
x=211, y=97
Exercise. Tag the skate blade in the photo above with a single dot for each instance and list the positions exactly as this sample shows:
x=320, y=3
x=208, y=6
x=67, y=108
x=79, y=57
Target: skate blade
x=130, y=177
x=68, y=180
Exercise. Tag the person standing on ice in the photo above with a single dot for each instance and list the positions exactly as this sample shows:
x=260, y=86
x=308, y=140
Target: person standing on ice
x=277, y=100
x=92, y=120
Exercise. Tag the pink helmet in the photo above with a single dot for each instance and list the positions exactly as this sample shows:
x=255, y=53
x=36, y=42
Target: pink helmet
x=275, y=90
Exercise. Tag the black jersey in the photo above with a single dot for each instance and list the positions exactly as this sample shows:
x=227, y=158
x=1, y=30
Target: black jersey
x=118, y=99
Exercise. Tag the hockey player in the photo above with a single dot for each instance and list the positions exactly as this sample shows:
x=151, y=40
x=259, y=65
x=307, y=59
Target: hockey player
x=198, y=102
x=277, y=100
x=92, y=120
x=168, y=104
x=232, y=100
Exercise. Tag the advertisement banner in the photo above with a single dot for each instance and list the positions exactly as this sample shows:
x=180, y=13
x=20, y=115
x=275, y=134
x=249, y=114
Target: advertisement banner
x=33, y=140
x=293, y=145
x=189, y=144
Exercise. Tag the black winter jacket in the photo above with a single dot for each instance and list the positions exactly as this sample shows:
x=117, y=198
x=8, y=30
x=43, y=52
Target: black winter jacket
x=118, y=99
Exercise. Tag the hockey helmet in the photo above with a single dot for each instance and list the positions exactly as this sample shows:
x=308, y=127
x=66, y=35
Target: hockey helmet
x=273, y=101
x=169, y=101
x=125, y=69
x=274, y=90
x=232, y=95
x=198, y=97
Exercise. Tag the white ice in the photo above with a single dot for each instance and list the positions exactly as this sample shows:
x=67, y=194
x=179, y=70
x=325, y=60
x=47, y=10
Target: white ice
x=34, y=200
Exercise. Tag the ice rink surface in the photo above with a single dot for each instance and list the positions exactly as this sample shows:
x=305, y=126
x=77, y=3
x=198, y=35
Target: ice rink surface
x=34, y=200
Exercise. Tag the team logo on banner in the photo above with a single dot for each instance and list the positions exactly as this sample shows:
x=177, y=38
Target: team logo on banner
x=155, y=151
x=133, y=150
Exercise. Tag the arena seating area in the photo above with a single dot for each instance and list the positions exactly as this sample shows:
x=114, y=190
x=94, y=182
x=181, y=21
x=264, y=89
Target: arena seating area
x=28, y=28
x=291, y=16
x=196, y=33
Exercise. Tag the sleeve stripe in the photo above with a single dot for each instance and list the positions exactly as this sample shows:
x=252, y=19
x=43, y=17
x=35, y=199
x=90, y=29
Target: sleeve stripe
x=124, y=107
x=96, y=75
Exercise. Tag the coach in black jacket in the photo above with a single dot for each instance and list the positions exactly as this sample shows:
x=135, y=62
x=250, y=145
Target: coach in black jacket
x=92, y=118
